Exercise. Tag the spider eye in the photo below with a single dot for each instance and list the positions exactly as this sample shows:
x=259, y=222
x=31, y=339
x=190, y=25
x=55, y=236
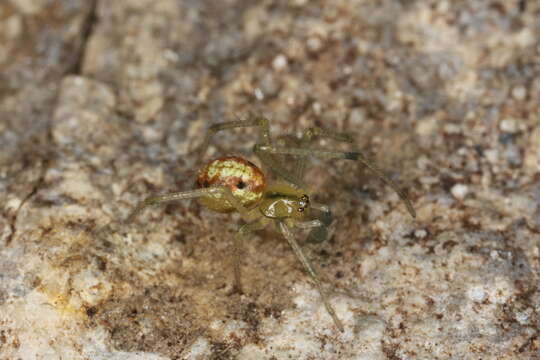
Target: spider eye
x=303, y=203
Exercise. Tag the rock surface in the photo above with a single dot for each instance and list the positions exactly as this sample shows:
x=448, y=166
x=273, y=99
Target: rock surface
x=104, y=102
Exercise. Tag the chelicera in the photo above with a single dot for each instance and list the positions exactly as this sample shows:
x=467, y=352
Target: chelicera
x=232, y=183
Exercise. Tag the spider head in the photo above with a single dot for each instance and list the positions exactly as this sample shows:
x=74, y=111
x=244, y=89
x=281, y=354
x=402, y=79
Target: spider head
x=282, y=201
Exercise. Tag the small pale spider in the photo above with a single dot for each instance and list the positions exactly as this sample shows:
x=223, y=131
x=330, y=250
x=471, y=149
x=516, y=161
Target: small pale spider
x=232, y=183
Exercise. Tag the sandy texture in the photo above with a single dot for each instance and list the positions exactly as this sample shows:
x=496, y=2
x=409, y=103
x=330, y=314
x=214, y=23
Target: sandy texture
x=103, y=103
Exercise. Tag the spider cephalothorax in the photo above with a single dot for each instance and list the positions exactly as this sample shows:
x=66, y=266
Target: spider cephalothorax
x=234, y=184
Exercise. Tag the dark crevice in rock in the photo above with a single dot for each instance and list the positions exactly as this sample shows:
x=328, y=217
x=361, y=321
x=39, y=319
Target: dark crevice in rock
x=87, y=29
x=30, y=194
x=46, y=160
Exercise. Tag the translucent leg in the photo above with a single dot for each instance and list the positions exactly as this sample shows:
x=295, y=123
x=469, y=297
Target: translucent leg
x=311, y=132
x=292, y=162
x=275, y=166
x=307, y=266
x=296, y=175
x=335, y=154
x=227, y=194
x=308, y=136
x=191, y=194
x=318, y=233
x=324, y=216
x=261, y=122
x=244, y=230
x=320, y=207
x=308, y=224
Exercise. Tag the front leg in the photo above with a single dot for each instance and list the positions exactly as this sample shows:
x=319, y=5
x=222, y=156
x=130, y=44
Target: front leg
x=159, y=199
x=319, y=226
x=318, y=132
x=310, y=270
x=220, y=193
x=255, y=120
x=336, y=154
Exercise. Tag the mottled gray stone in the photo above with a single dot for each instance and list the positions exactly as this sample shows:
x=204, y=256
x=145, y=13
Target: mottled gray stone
x=99, y=110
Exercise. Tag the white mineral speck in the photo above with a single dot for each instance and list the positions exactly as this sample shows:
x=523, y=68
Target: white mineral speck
x=299, y=3
x=519, y=92
x=13, y=204
x=523, y=316
x=357, y=116
x=426, y=127
x=492, y=155
x=443, y=6
x=459, y=191
x=258, y=94
x=420, y=233
x=280, y=62
x=171, y=55
x=314, y=44
x=452, y=129
x=509, y=125
x=477, y=294
x=317, y=108
x=199, y=349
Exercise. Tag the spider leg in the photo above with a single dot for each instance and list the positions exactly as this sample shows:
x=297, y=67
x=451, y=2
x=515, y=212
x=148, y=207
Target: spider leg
x=311, y=132
x=310, y=224
x=335, y=154
x=271, y=162
x=190, y=194
x=308, y=136
x=318, y=233
x=307, y=266
x=244, y=230
x=324, y=216
x=156, y=200
x=212, y=191
x=254, y=120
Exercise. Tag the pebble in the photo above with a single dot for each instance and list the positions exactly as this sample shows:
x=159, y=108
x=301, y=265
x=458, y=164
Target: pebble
x=519, y=92
x=459, y=191
x=509, y=126
x=280, y=62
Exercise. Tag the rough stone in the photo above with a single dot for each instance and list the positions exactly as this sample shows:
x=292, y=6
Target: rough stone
x=105, y=103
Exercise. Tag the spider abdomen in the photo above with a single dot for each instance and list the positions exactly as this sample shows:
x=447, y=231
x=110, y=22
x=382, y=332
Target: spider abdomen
x=245, y=180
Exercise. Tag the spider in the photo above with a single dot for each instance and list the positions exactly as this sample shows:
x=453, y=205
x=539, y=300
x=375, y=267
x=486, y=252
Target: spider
x=232, y=183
